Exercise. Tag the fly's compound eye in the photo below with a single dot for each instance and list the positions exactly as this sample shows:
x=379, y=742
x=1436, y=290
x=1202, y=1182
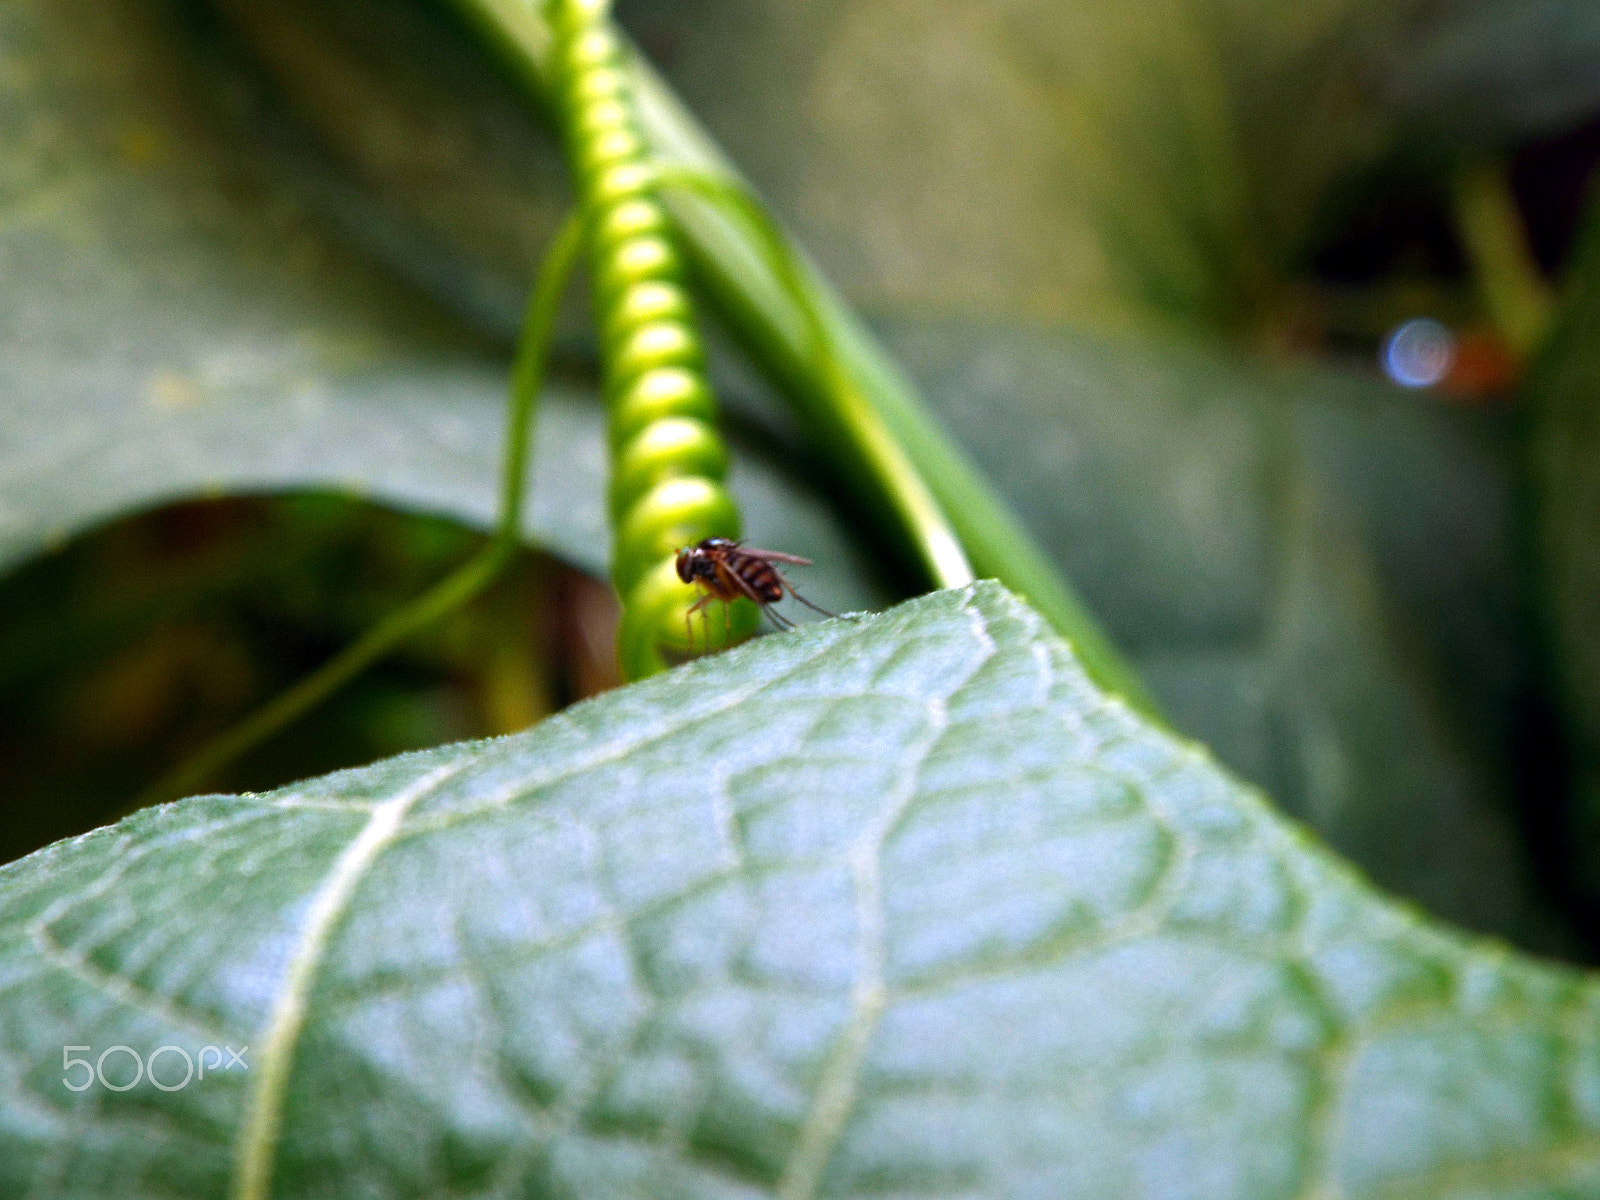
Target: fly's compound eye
x=685, y=566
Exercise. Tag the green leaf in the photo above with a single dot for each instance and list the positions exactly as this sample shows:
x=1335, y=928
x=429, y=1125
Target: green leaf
x=1176, y=152
x=898, y=906
x=1500, y=70
x=178, y=323
x=1316, y=575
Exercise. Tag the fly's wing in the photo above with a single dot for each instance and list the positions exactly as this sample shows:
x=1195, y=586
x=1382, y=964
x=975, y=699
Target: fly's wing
x=775, y=556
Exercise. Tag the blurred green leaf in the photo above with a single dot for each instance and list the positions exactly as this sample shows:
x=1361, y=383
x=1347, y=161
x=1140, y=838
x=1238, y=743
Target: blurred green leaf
x=1160, y=159
x=1173, y=161
x=1107, y=164
x=899, y=906
x=1167, y=161
x=177, y=323
x=1499, y=70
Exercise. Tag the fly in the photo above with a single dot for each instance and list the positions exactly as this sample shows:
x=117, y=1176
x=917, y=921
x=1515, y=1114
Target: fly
x=724, y=570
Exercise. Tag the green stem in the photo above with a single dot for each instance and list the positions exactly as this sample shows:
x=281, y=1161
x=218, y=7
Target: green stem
x=730, y=259
x=448, y=594
x=1515, y=293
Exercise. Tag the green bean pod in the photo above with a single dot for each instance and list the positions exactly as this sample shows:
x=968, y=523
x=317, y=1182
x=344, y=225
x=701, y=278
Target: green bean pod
x=667, y=459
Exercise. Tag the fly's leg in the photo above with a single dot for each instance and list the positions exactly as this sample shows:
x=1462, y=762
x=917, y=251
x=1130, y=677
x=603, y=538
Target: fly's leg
x=816, y=608
x=699, y=606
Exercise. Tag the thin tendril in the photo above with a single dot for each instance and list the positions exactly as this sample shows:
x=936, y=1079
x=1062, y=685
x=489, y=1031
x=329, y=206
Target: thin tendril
x=442, y=598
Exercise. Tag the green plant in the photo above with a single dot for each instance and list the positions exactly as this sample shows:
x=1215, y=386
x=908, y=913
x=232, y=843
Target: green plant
x=667, y=460
x=925, y=902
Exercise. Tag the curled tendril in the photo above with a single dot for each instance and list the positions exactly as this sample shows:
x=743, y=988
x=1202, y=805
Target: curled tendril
x=667, y=460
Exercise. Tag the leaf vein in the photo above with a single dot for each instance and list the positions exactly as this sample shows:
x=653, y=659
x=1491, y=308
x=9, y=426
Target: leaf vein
x=836, y=1089
x=256, y=1146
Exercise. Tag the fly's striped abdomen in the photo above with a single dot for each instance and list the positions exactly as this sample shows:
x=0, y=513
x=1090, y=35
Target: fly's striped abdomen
x=762, y=578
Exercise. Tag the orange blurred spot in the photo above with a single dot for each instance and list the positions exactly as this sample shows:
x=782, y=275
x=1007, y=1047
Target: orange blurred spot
x=1485, y=369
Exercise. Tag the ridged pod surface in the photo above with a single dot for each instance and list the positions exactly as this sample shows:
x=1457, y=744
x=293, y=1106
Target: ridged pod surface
x=667, y=460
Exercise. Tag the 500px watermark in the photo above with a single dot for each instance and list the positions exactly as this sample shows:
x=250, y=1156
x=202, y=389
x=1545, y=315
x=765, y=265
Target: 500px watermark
x=128, y=1060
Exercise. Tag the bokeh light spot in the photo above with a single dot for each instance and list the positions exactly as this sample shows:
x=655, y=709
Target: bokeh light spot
x=1419, y=353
